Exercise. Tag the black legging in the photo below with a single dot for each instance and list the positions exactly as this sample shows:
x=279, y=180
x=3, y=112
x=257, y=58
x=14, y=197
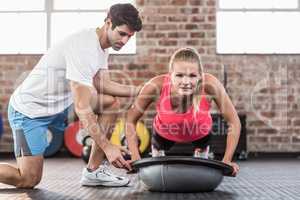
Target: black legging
x=161, y=143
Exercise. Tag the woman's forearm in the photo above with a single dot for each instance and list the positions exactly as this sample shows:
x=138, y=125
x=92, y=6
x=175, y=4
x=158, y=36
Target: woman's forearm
x=233, y=135
x=132, y=140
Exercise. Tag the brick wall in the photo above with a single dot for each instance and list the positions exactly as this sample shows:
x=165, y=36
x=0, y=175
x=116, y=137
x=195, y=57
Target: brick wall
x=264, y=87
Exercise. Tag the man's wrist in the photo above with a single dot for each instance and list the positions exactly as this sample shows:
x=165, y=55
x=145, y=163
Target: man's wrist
x=104, y=144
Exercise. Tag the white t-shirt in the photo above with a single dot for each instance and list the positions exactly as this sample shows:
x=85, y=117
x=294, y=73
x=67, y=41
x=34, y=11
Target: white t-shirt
x=46, y=90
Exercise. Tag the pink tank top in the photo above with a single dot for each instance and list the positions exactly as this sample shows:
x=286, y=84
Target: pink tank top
x=181, y=127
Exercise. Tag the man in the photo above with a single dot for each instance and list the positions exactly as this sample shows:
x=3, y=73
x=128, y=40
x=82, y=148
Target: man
x=72, y=73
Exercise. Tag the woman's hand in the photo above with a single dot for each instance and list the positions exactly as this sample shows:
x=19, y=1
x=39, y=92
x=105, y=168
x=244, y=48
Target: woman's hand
x=235, y=166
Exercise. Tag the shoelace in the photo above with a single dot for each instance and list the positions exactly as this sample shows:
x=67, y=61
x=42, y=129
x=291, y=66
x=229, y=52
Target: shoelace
x=104, y=168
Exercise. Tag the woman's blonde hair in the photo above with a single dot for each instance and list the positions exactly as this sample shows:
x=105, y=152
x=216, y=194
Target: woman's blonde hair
x=189, y=54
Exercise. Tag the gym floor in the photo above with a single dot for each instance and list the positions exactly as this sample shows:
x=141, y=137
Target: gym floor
x=265, y=179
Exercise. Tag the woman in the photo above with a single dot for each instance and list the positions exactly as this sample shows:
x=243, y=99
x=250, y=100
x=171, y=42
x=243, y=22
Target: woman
x=183, y=100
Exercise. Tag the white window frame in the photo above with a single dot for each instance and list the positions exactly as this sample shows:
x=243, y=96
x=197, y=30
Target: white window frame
x=49, y=10
x=222, y=39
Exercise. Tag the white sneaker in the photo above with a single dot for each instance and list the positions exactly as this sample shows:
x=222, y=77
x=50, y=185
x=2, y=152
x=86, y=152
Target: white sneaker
x=102, y=177
x=157, y=153
x=198, y=153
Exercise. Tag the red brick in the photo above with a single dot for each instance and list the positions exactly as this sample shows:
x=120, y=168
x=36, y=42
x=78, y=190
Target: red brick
x=8, y=91
x=261, y=131
x=208, y=26
x=212, y=51
x=296, y=122
x=268, y=114
x=167, y=10
x=147, y=42
x=140, y=2
x=149, y=27
x=133, y=66
x=212, y=34
x=163, y=27
x=191, y=26
x=281, y=123
x=290, y=98
x=189, y=11
x=168, y=42
x=208, y=43
x=201, y=50
x=211, y=18
x=157, y=51
x=208, y=10
x=251, y=131
x=296, y=139
x=147, y=59
x=157, y=19
x=178, y=18
x=196, y=2
x=198, y=18
x=211, y=3
x=293, y=113
x=164, y=59
x=155, y=35
x=280, y=139
x=257, y=123
x=116, y=66
x=177, y=35
x=157, y=3
x=192, y=42
x=145, y=74
x=197, y=34
x=178, y=2
x=258, y=139
x=286, y=130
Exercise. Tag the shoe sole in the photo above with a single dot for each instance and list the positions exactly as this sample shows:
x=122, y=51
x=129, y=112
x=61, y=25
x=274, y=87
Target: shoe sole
x=108, y=183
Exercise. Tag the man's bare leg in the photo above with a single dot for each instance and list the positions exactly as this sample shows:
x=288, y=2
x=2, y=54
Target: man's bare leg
x=27, y=175
x=108, y=106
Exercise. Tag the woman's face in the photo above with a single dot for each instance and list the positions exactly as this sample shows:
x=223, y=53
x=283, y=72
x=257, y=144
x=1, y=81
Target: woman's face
x=185, y=76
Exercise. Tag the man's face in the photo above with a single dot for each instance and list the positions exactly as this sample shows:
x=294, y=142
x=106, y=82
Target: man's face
x=119, y=36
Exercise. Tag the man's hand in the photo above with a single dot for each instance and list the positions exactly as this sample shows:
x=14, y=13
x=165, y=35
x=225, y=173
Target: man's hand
x=133, y=159
x=114, y=156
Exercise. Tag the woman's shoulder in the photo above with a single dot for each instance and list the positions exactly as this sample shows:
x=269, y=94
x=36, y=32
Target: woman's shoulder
x=211, y=84
x=155, y=84
x=158, y=80
x=209, y=77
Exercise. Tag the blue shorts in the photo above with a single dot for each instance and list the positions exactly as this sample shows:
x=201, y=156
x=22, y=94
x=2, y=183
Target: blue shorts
x=30, y=135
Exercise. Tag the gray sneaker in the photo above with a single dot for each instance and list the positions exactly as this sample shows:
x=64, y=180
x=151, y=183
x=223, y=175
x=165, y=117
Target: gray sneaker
x=102, y=177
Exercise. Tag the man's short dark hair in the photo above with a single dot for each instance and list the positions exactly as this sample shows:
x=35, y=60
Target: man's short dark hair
x=127, y=14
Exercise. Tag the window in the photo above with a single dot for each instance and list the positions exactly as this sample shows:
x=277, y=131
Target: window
x=258, y=27
x=33, y=26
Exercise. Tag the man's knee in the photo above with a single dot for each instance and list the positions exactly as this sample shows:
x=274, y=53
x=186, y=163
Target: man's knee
x=28, y=181
x=115, y=104
x=111, y=104
x=106, y=103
